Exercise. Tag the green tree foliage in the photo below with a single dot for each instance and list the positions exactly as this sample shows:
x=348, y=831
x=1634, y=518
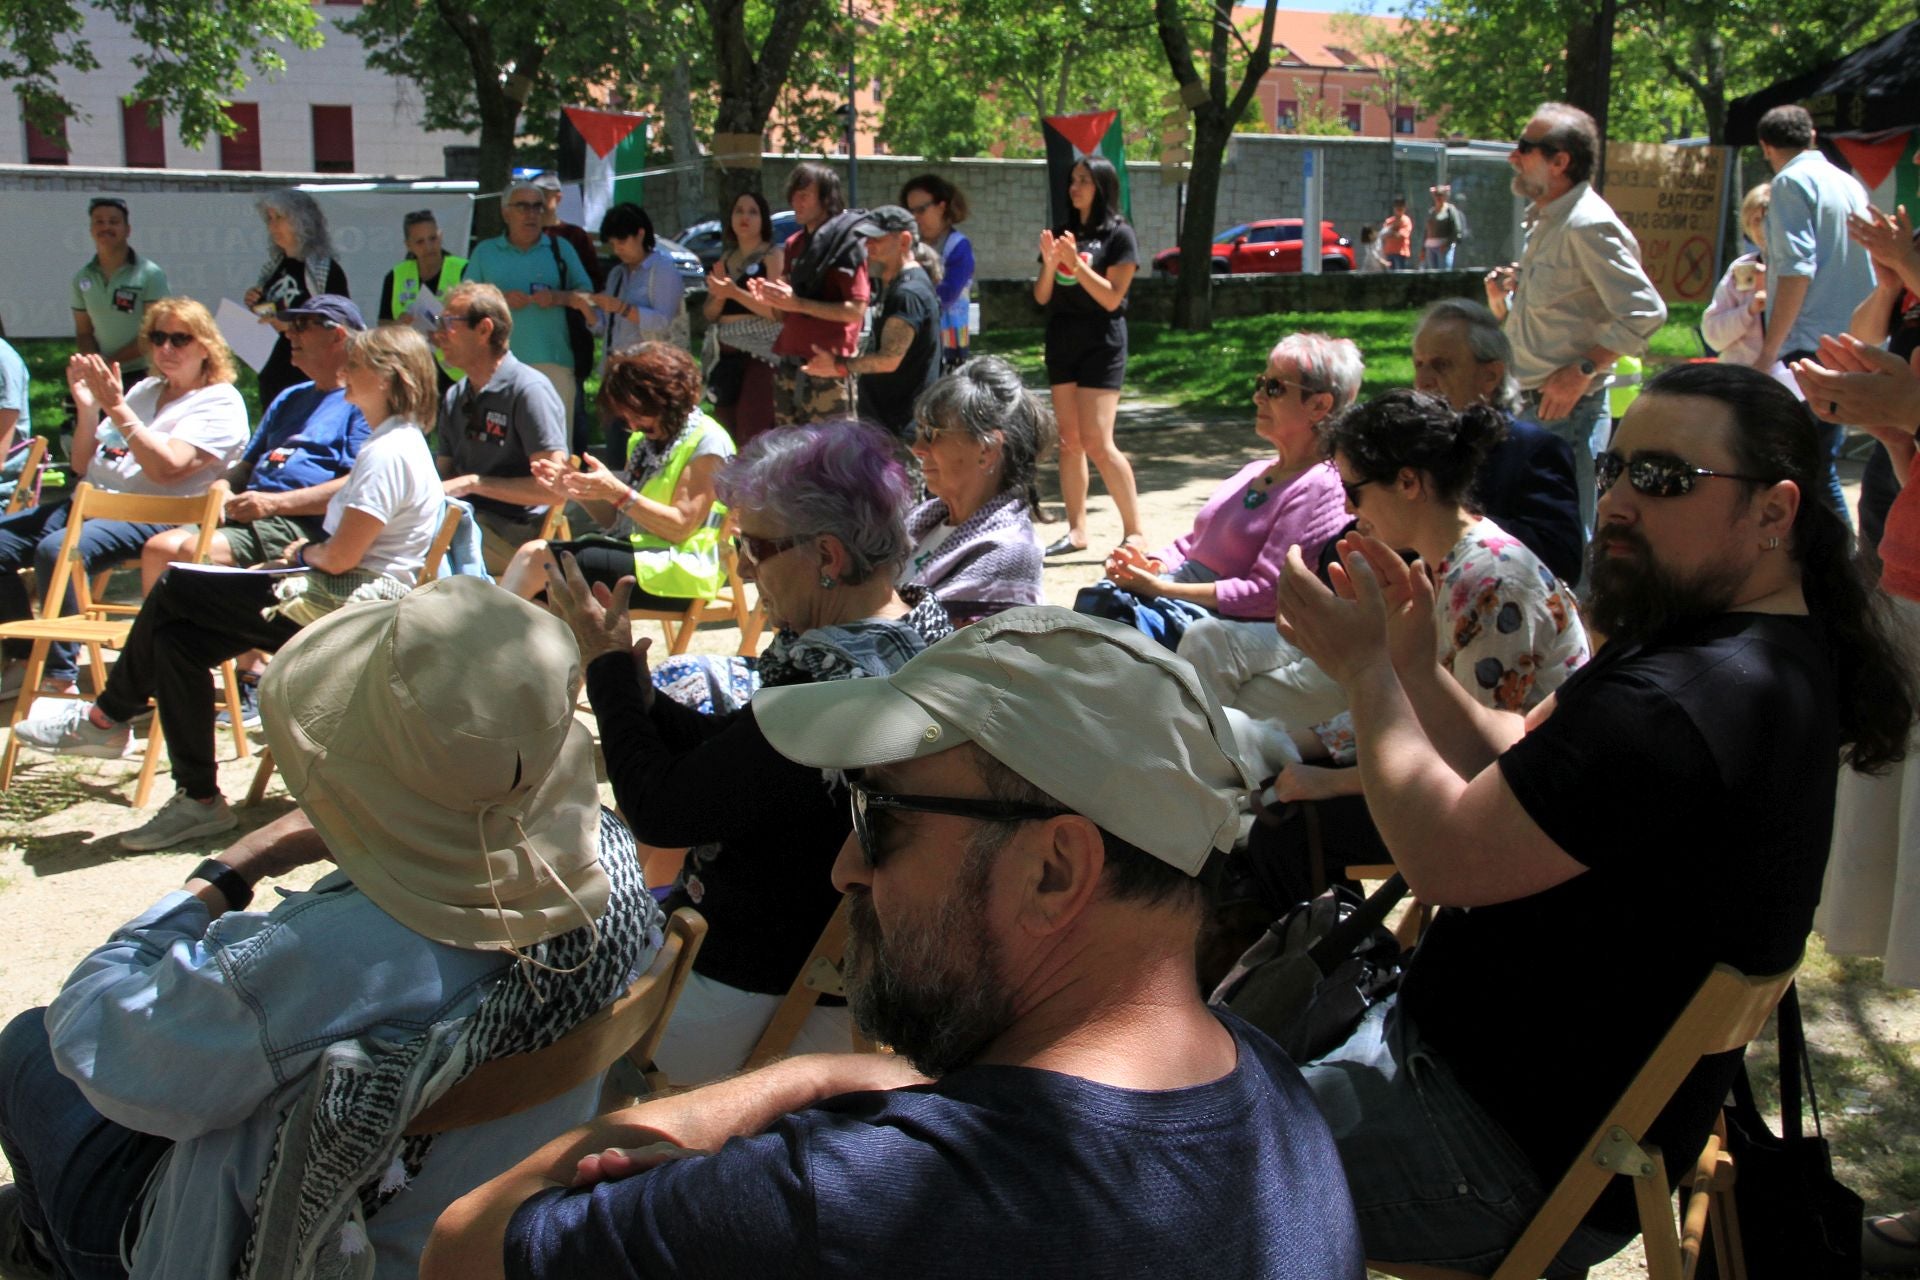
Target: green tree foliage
x=195, y=54
x=975, y=77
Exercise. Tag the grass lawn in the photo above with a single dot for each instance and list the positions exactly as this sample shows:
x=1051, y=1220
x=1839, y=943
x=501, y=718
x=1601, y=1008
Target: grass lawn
x=1215, y=369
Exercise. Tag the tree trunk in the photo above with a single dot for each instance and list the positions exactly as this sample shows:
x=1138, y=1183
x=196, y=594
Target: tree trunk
x=499, y=123
x=689, y=193
x=1193, y=295
x=749, y=86
x=1590, y=69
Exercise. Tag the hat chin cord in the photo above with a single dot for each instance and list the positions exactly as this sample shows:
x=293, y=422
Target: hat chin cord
x=525, y=961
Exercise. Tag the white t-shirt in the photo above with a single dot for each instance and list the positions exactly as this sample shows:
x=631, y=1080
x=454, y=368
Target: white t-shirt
x=213, y=420
x=394, y=481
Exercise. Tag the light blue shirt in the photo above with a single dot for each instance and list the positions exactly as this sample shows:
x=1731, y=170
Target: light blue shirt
x=1807, y=236
x=656, y=292
x=204, y=1031
x=16, y=391
x=539, y=333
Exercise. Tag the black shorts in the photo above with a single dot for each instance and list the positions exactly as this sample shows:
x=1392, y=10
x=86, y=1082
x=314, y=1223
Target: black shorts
x=605, y=560
x=1087, y=351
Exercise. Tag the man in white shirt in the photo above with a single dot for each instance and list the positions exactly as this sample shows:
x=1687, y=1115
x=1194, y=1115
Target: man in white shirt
x=1579, y=299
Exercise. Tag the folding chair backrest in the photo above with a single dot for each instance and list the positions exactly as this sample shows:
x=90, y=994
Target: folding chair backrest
x=437, y=550
x=26, y=489
x=90, y=503
x=629, y=1027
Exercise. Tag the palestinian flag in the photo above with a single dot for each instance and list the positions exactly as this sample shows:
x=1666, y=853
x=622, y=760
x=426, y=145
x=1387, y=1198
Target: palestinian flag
x=1071, y=139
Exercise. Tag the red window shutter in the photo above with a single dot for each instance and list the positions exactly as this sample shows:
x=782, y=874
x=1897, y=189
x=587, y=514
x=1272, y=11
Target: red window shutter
x=47, y=148
x=1403, y=119
x=144, y=135
x=242, y=150
x=1352, y=112
x=332, y=139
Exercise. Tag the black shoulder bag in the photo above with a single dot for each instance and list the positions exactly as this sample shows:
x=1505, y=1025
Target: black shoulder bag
x=579, y=337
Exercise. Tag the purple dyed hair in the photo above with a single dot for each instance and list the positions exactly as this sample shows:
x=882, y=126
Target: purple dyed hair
x=838, y=478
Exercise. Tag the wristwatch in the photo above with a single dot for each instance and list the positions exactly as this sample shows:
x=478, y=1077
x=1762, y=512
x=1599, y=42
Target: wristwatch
x=228, y=881
x=1588, y=367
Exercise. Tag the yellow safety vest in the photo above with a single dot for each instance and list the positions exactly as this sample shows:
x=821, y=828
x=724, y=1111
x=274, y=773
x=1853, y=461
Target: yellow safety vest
x=406, y=287
x=689, y=570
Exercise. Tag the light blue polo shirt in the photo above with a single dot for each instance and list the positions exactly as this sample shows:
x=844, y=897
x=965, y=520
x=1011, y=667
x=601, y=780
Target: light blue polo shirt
x=539, y=333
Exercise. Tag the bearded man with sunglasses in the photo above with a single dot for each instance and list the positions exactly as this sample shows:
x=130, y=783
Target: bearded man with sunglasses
x=1023, y=927
x=1578, y=299
x=1667, y=810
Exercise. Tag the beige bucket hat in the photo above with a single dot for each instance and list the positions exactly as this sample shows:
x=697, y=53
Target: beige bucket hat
x=432, y=741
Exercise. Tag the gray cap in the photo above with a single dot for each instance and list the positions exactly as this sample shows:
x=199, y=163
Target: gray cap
x=548, y=181
x=886, y=220
x=1113, y=725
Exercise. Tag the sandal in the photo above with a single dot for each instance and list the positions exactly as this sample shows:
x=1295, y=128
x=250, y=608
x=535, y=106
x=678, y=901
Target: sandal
x=1884, y=1253
x=1064, y=546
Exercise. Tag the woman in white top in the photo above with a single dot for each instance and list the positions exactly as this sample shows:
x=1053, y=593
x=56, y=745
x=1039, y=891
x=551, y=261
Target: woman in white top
x=378, y=528
x=171, y=434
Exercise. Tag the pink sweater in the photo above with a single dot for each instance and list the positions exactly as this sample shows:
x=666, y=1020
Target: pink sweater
x=1247, y=547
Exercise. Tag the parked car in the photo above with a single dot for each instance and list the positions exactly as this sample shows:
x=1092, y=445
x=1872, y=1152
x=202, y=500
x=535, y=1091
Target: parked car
x=1269, y=245
x=702, y=239
x=684, y=261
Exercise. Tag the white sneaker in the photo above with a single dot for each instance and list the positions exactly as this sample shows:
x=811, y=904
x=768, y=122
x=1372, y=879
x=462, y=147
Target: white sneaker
x=65, y=730
x=180, y=819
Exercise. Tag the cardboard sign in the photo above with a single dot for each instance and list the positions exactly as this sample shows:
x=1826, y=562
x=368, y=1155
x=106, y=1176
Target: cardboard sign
x=1673, y=199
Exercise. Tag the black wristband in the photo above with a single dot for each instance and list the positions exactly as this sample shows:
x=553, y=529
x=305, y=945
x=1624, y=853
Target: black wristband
x=228, y=881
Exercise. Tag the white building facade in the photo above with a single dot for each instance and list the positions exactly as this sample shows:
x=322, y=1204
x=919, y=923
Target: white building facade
x=327, y=112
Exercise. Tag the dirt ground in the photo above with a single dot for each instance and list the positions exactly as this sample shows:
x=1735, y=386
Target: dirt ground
x=65, y=884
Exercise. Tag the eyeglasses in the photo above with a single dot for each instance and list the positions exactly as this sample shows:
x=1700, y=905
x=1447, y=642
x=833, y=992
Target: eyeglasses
x=925, y=434
x=1657, y=475
x=917, y=209
x=1353, y=490
x=757, y=551
x=161, y=338
x=449, y=319
x=527, y=206
x=301, y=324
x=1527, y=146
x=865, y=803
x=1272, y=387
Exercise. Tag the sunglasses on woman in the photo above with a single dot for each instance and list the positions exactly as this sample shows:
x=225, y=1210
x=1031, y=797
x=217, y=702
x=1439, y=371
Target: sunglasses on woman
x=1658, y=475
x=1272, y=387
x=867, y=803
x=757, y=551
x=161, y=338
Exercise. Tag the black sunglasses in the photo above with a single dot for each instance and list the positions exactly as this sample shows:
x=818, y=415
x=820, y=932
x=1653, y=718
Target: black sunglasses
x=1353, y=491
x=161, y=338
x=302, y=324
x=865, y=802
x=1657, y=475
x=1527, y=146
x=757, y=551
x=1272, y=387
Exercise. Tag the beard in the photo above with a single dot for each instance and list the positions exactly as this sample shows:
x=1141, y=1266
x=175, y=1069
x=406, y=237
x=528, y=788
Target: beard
x=1633, y=598
x=1527, y=188
x=934, y=993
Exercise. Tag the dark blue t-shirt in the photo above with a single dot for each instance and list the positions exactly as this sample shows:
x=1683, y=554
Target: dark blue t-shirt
x=989, y=1171
x=307, y=437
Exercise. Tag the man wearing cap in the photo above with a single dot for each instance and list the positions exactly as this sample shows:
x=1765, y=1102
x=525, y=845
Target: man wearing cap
x=906, y=357
x=111, y=293
x=1445, y=229
x=498, y=420
x=555, y=227
x=230, y=1088
x=1022, y=930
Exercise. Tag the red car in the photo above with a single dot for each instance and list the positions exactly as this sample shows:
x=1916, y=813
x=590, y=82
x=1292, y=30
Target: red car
x=1270, y=245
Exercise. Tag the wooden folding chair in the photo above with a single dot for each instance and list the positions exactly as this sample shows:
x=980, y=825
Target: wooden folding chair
x=819, y=976
x=628, y=1028
x=730, y=605
x=1728, y=1011
x=97, y=626
x=430, y=570
x=26, y=490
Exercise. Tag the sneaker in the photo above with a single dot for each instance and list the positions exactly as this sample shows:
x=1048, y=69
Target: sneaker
x=65, y=730
x=180, y=819
x=20, y=1255
x=249, y=706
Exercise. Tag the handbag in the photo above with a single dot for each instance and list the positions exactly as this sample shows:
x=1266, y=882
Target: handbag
x=1318, y=969
x=1797, y=1221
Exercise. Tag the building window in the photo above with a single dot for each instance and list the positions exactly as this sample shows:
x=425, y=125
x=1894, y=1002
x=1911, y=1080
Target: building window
x=1351, y=111
x=242, y=150
x=1286, y=114
x=47, y=148
x=143, y=135
x=1403, y=119
x=332, y=139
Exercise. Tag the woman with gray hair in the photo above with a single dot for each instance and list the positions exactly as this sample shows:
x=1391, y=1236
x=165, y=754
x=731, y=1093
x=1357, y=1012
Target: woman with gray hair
x=300, y=265
x=1228, y=564
x=821, y=512
x=980, y=438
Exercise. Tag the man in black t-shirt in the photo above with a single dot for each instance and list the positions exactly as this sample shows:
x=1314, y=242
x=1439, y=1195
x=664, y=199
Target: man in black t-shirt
x=1667, y=810
x=905, y=359
x=1022, y=927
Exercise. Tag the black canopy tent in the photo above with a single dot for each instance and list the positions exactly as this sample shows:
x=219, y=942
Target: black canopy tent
x=1864, y=104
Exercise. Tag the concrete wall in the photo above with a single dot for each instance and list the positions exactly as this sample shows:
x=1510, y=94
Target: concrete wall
x=387, y=135
x=1262, y=178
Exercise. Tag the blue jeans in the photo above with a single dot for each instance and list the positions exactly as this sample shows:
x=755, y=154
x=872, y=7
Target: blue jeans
x=34, y=536
x=1399, y=261
x=80, y=1175
x=1440, y=259
x=1585, y=429
x=1157, y=618
x=1434, y=1179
